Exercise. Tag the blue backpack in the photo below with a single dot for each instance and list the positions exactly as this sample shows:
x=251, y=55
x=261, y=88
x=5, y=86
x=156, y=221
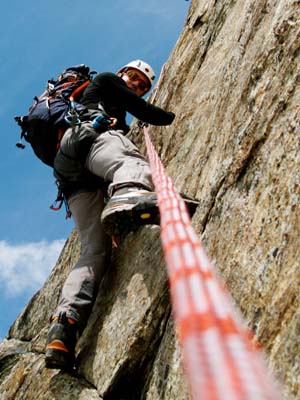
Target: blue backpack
x=55, y=110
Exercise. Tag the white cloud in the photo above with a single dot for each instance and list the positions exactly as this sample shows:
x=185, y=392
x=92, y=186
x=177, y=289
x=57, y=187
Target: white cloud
x=24, y=267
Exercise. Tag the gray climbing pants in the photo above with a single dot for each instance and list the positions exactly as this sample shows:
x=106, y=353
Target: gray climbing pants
x=116, y=160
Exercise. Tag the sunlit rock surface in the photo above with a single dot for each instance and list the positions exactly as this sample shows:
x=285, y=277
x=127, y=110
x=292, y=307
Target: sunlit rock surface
x=233, y=81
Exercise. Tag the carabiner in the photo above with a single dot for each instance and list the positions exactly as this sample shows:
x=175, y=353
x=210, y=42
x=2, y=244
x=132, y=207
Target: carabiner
x=113, y=122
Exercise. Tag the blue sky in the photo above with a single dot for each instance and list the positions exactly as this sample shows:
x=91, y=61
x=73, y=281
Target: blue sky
x=38, y=40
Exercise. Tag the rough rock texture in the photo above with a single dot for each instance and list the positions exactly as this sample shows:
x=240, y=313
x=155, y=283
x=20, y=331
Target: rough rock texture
x=233, y=81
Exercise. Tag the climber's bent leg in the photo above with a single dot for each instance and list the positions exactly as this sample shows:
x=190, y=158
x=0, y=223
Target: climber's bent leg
x=117, y=160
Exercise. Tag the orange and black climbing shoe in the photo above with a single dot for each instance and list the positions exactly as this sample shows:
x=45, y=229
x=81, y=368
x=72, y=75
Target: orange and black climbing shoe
x=61, y=341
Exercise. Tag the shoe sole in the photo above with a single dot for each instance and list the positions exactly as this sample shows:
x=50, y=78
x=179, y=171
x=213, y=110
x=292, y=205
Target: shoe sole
x=124, y=218
x=129, y=217
x=55, y=359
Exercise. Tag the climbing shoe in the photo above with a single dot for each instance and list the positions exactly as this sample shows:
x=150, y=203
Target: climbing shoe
x=61, y=341
x=131, y=207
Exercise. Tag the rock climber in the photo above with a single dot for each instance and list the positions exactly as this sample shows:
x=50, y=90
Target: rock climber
x=89, y=164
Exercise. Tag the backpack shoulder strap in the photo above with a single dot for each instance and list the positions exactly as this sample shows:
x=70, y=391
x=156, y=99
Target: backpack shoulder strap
x=78, y=91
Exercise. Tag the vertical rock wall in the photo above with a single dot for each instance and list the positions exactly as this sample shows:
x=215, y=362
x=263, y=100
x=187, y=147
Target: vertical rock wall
x=233, y=81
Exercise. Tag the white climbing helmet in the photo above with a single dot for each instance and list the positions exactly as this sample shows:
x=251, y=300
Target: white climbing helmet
x=142, y=66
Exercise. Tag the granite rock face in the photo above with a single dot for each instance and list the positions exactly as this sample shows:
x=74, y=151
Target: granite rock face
x=233, y=81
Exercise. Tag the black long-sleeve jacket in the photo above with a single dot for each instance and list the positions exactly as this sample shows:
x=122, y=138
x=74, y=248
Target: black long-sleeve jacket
x=112, y=93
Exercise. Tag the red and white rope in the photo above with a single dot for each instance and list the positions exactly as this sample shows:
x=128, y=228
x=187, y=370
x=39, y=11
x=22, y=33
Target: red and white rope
x=219, y=360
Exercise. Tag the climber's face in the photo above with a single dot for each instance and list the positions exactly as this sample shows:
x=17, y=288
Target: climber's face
x=136, y=81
